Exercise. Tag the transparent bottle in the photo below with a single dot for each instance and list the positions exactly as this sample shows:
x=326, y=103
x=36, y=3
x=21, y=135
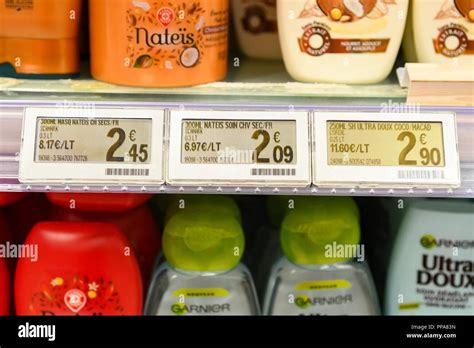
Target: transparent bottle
x=318, y=274
x=202, y=274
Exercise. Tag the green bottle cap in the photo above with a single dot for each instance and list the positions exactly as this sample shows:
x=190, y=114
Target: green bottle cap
x=309, y=231
x=203, y=241
x=216, y=204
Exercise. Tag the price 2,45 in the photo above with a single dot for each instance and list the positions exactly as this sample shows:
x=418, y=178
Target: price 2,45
x=137, y=153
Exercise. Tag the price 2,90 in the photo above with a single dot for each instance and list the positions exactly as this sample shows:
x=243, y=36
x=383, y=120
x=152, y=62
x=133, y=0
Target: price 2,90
x=137, y=152
x=428, y=156
x=280, y=153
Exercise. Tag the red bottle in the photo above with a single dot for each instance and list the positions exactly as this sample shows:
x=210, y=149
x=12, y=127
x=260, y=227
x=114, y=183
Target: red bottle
x=98, y=202
x=138, y=225
x=82, y=269
x=4, y=288
x=7, y=198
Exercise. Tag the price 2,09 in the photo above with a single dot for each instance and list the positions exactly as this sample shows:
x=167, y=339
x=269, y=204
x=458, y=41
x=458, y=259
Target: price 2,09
x=279, y=153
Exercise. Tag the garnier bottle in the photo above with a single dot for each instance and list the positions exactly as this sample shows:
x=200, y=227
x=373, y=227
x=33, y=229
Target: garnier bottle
x=319, y=274
x=432, y=263
x=202, y=274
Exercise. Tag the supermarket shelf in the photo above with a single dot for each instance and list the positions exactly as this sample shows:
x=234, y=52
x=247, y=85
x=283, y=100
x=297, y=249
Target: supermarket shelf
x=254, y=85
x=467, y=191
x=253, y=81
x=10, y=141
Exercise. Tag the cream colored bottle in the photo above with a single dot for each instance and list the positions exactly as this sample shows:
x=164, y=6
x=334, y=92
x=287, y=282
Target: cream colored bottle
x=341, y=41
x=440, y=31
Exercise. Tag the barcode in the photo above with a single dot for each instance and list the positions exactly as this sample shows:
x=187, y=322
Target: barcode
x=421, y=174
x=127, y=172
x=273, y=172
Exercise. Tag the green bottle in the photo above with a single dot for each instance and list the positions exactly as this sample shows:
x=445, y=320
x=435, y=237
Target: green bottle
x=322, y=271
x=202, y=274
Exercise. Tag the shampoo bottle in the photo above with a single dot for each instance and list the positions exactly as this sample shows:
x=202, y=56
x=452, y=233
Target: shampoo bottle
x=318, y=274
x=202, y=274
x=40, y=38
x=432, y=263
x=341, y=41
x=440, y=31
x=79, y=269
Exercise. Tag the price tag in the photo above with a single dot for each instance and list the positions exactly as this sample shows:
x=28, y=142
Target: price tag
x=115, y=146
x=239, y=148
x=380, y=149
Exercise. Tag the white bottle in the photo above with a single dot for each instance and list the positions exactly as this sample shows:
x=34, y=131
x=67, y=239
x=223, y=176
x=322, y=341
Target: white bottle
x=341, y=41
x=317, y=275
x=255, y=23
x=202, y=274
x=440, y=31
x=432, y=265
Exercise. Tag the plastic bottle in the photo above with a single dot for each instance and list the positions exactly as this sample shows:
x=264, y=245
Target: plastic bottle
x=440, y=31
x=40, y=38
x=318, y=274
x=202, y=274
x=335, y=41
x=432, y=260
x=81, y=269
x=159, y=43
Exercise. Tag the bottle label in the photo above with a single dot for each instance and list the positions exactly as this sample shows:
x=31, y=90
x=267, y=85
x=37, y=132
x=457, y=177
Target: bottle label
x=337, y=22
x=453, y=36
x=79, y=295
x=323, y=285
x=338, y=296
x=444, y=278
x=201, y=301
x=174, y=35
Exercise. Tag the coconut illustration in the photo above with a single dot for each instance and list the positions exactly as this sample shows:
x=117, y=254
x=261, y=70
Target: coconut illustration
x=466, y=8
x=346, y=10
x=189, y=57
x=144, y=62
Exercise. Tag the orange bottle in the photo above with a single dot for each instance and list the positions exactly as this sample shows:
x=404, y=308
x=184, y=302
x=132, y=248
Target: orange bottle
x=158, y=43
x=39, y=38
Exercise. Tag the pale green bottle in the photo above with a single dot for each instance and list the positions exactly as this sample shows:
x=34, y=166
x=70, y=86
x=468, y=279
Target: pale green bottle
x=202, y=274
x=322, y=271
